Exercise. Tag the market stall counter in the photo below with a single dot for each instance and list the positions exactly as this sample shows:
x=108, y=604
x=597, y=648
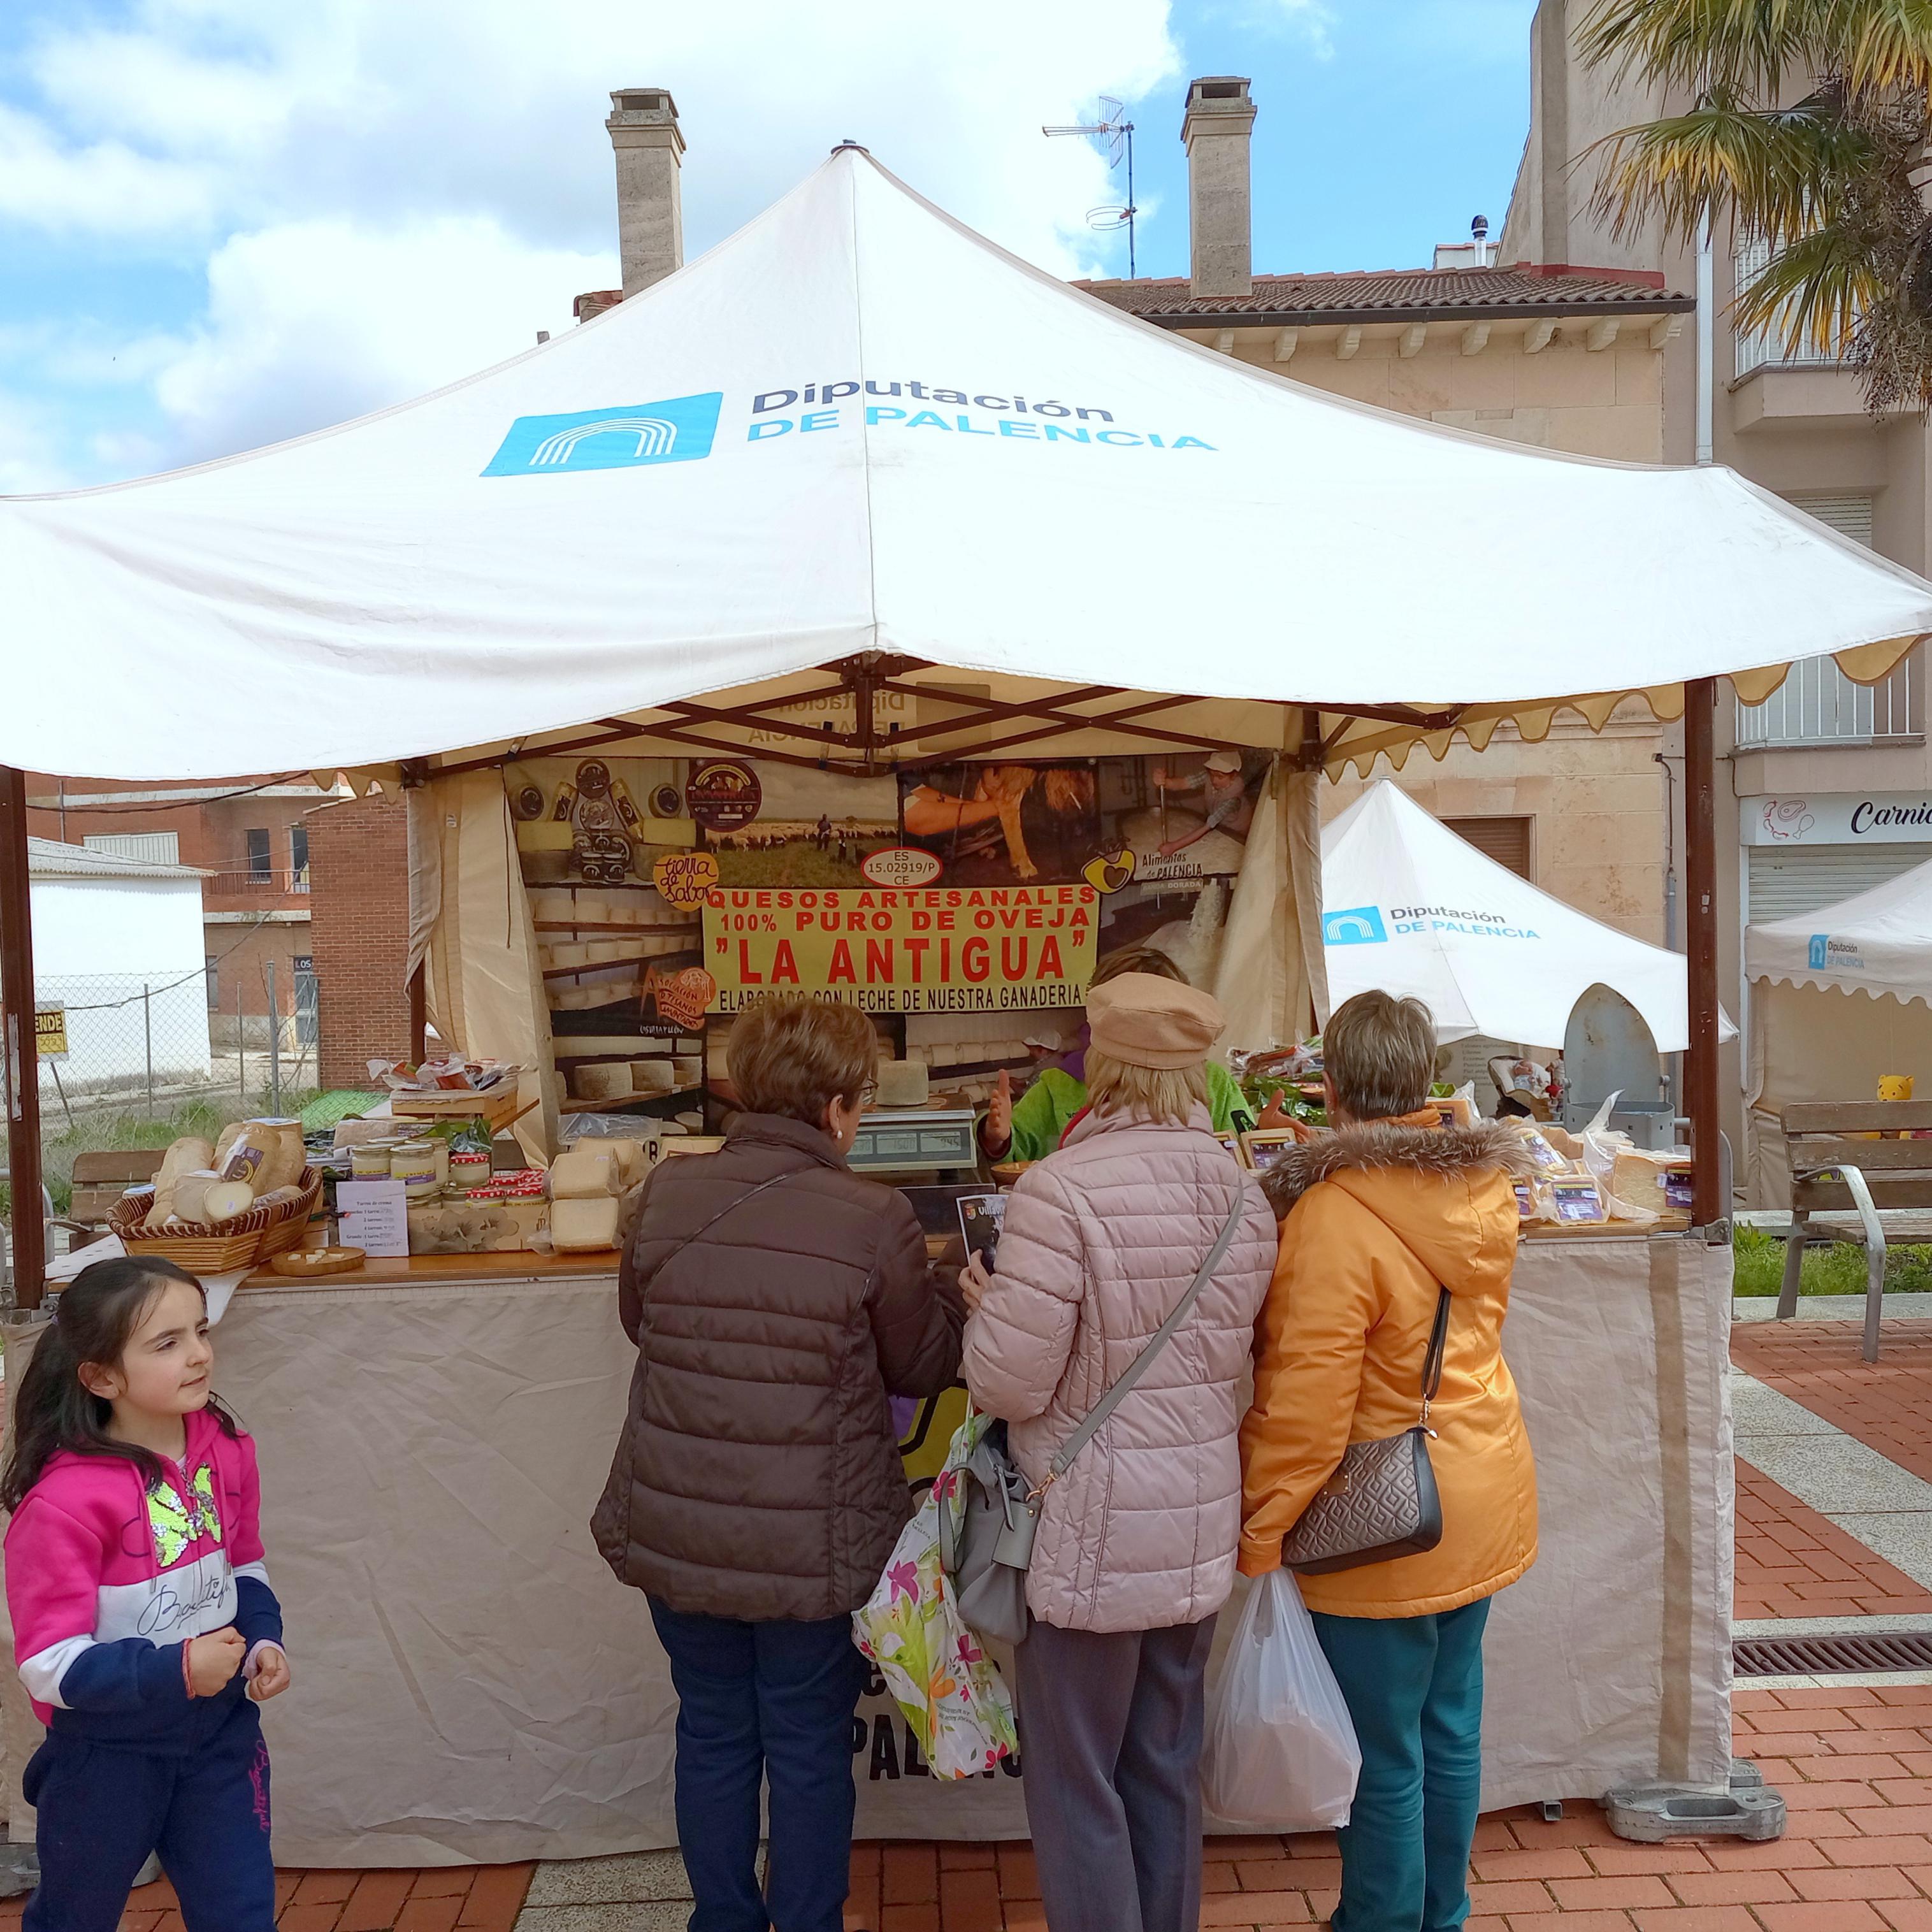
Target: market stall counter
x=473, y=1685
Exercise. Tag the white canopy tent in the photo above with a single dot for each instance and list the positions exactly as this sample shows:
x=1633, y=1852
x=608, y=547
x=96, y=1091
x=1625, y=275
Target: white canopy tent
x=856, y=449
x=855, y=426
x=1878, y=942
x=1839, y=997
x=1412, y=909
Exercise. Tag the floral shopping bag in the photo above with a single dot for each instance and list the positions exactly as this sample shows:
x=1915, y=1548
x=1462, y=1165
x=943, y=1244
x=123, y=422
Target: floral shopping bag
x=950, y=1689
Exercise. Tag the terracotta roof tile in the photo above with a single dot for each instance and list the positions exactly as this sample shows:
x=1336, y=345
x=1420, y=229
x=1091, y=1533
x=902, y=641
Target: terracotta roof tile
x=1374, y=294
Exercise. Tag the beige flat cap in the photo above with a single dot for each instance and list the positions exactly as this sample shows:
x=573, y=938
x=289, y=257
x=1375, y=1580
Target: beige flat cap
x=1142, y=1020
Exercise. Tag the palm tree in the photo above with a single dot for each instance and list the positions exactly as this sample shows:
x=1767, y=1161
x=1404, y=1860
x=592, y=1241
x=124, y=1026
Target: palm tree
x=1833, y=180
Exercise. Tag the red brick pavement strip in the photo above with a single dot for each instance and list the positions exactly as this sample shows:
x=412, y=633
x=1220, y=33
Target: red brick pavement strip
x=1793, y=1562
x=1887, y=1404
x=451, y=1898
x=1854, y=1861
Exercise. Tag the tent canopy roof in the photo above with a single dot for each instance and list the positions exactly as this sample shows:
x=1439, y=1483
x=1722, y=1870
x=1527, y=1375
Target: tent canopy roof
x=1877, y=942
x=1411, y=908
x=855, y=427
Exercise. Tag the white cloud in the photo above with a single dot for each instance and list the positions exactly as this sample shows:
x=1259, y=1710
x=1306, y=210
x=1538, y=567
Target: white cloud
x=388, y=196
x=309, y=322
x=102, y=187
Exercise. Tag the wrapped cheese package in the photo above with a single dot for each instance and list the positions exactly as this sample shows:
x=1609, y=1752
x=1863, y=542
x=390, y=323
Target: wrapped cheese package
x=584, y=1174
x=1659, y=1181
x=266, y=1153
x=580, y=1226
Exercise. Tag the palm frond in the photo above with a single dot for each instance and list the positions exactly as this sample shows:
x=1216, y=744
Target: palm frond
x=1813, y=293
x=1776, y=173
x=1878, y=44
x=1687, y=44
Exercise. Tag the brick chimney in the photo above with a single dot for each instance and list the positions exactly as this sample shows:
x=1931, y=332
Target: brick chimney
x=1215, y=131
x=650, y=217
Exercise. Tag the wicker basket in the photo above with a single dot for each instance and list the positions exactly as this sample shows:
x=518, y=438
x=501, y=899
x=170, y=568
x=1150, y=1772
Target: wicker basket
x=247, y=1241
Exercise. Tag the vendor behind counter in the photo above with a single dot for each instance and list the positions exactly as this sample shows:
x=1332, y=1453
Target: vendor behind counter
x=1030, y=1128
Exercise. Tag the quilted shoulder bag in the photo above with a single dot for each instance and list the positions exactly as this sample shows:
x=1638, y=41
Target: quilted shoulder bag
x=1382, y=1501
x=985, y=1543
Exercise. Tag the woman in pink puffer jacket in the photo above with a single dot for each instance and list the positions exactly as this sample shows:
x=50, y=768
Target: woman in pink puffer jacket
x=1135, y=1550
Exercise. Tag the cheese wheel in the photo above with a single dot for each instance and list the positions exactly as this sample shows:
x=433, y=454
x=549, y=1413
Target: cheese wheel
x=225, y=1200
x=190, y=1196
x=584, y=1173
x=604, y=1083
x=579, y=1226
x=226, y=1139
x=653, y=1077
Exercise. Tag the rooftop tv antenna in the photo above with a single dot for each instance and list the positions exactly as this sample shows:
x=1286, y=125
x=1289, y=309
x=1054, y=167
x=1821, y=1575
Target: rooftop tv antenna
x=1115, y=132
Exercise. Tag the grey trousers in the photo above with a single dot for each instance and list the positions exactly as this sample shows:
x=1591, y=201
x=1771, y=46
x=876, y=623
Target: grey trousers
x=1110, y=1726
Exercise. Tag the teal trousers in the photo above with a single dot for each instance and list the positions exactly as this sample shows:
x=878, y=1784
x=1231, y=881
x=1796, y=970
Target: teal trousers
x=1414, y=1686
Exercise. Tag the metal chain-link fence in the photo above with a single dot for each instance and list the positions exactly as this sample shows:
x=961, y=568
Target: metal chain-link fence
x=133, y=1060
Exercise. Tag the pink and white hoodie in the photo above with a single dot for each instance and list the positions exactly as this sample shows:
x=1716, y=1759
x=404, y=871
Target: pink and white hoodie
x=107, y=1580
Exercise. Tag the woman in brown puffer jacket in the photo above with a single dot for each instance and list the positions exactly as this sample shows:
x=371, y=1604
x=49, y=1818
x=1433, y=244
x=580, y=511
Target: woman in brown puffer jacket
x=776, y=1300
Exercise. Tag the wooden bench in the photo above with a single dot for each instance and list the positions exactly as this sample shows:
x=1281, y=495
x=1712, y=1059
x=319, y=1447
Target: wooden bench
x=1834, y=1170
x=99, y=1180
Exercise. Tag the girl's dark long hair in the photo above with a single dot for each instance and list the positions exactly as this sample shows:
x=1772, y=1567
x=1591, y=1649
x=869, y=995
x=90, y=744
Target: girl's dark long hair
x=96, y=1319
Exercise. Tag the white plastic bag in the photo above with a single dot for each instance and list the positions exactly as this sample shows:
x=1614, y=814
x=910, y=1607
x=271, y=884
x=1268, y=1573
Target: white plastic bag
x=1280, y=1751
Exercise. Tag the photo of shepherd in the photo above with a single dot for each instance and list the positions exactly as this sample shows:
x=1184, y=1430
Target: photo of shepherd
x=1000, y=825
x=1191, y=815
x=814, y=829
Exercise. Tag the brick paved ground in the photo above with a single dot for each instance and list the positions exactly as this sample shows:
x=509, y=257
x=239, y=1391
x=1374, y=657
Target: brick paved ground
x=1886, y=1404
x=1793, y=1563
x=458, y=1898
x=1855, y=1766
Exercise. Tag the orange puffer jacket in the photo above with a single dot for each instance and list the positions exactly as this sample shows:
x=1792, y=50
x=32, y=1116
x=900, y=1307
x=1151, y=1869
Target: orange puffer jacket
x=1376, y=1217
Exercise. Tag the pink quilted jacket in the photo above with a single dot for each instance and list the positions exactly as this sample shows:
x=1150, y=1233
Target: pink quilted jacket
x=1101, y=1240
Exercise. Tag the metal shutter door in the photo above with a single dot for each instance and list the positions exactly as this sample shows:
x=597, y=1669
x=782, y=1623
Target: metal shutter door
x=1785, y=884
x=1848, y=512
x=160, y=848
x=1505, y=840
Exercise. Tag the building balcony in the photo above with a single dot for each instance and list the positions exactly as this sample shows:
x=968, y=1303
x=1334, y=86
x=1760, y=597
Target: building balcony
x=244, y=890
x=1818, y=705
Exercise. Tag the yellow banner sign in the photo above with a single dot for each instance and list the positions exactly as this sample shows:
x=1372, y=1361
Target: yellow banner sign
x=939, y=949
x=50, y=1031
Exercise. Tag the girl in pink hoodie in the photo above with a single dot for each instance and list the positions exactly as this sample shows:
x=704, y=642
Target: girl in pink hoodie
x=144, y=1627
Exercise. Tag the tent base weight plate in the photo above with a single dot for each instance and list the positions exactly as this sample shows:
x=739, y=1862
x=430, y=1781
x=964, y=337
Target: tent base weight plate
x=1649, y=1814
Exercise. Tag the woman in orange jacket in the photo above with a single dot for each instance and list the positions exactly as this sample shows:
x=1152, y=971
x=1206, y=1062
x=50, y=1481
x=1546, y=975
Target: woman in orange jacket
x=1379, y=1217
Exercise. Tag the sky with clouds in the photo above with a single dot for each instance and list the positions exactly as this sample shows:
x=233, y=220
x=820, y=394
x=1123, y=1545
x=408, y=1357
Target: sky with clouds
x=224, y=222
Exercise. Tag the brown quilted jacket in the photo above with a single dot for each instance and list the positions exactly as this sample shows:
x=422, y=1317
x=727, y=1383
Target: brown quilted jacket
x=758, y=1474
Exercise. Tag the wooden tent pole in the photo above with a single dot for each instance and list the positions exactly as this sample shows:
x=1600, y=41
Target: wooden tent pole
x=1700, y=844
x=22, y=1067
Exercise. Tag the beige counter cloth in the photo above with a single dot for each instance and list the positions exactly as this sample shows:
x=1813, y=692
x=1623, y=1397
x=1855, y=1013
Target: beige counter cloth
x=471, y=1684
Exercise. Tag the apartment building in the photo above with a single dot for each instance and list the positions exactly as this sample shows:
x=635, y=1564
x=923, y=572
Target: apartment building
x=1828, y=785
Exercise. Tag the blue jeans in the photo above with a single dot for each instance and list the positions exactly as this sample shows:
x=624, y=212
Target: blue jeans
x=101, y=1810
x=758, y=1703
x=1414, y=1686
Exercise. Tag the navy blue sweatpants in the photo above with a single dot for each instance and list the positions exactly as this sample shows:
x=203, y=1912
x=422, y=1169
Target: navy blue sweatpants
x=101, y=1810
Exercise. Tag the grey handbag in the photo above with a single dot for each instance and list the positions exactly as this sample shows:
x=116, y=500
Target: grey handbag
x=1382, y=1502
x=988, y=1556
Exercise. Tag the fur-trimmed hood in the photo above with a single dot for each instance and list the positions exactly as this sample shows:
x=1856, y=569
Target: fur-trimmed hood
x=1429, y=1149
x=1445, y=1192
